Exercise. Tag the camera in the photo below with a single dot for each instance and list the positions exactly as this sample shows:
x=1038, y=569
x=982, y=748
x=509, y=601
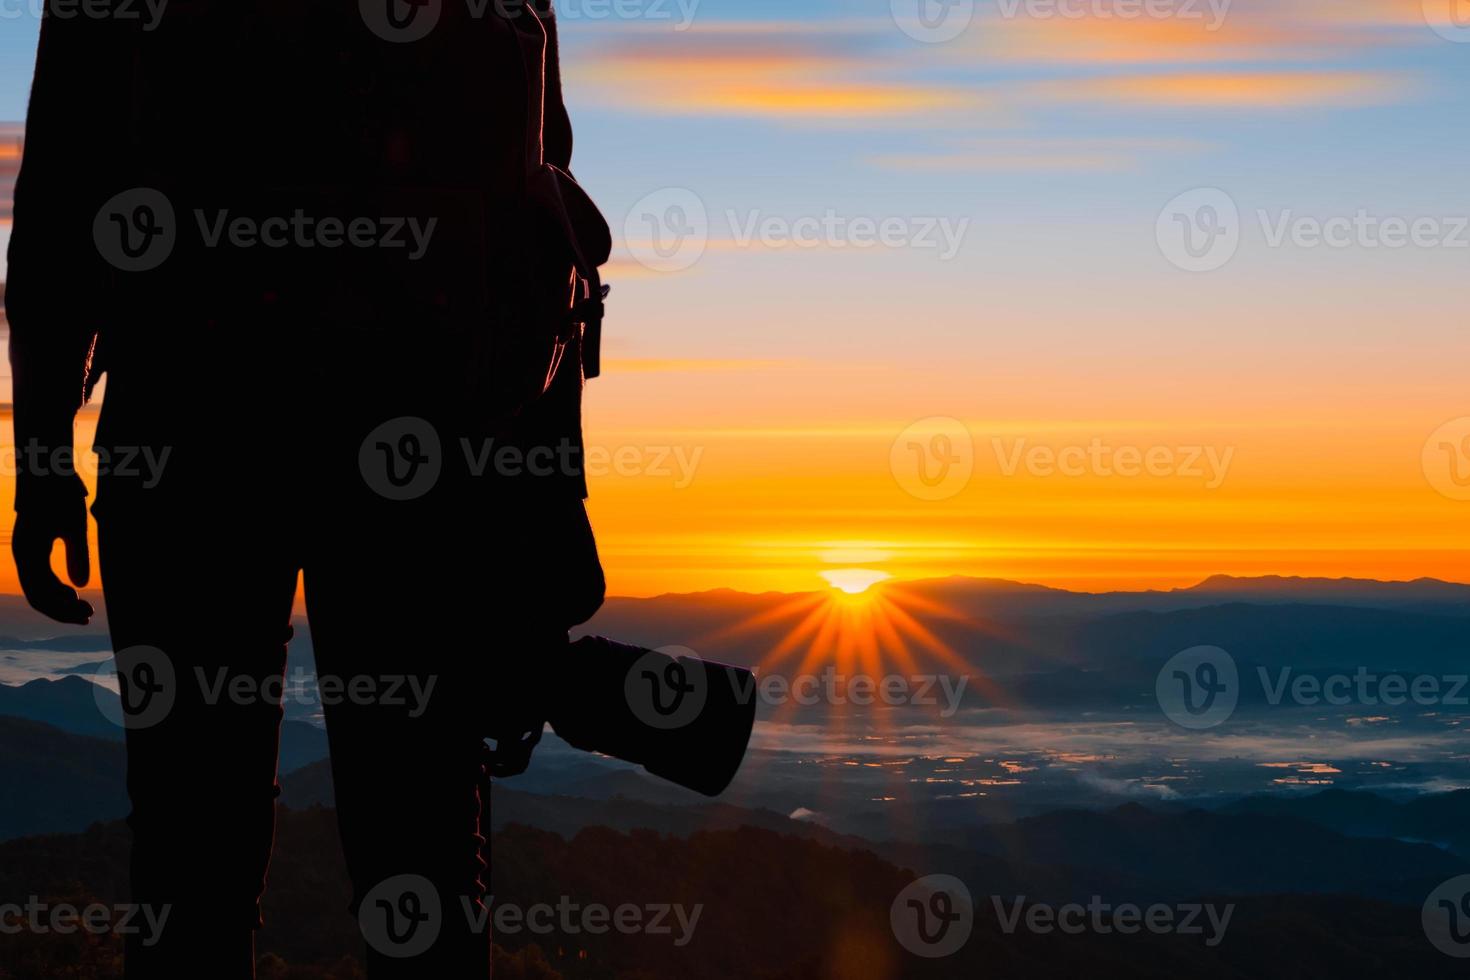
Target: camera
x=681, y=718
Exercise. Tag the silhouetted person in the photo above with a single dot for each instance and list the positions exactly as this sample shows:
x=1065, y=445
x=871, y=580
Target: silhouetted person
x=309, y=401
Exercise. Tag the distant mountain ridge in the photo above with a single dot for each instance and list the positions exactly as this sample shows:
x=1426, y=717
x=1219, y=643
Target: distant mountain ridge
x=71, y=704
x=1420, y=588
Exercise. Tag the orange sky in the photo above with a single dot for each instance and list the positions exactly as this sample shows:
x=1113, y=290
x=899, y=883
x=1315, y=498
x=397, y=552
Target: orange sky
x=752, y=416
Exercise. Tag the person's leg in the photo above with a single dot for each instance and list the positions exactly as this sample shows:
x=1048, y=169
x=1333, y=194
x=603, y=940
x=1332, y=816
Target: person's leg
x=199, y=611
x=396, y=641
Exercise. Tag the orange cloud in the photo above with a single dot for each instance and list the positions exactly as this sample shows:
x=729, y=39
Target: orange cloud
x=749, y=76
x=1228, y=90
x=10, y=146
x=1098, y=41
x=1247, y=30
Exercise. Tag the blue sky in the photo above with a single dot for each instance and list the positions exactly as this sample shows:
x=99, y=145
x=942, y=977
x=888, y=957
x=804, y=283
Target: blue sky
x=1055, y=144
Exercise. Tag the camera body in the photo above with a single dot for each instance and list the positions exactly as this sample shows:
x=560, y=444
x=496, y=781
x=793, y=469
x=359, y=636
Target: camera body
x=681, y=718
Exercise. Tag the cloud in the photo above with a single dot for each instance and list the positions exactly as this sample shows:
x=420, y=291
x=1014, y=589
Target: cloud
x=1122, y=32
x=749, y=73
x=10, y=147
x=1231, y=90
x=1130, y=788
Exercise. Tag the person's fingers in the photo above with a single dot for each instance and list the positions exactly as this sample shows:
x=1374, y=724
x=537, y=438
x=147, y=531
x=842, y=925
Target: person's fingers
x=78, y=560
x=46, y=593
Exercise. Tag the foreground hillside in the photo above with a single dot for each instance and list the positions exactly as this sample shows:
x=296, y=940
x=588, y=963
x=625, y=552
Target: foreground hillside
x=770, y=906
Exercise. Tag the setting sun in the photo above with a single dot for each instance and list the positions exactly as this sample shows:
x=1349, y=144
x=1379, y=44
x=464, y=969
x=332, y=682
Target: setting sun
x=854, y=581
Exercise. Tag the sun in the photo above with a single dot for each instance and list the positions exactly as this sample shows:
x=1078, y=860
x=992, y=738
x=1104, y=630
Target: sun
x=854, y=581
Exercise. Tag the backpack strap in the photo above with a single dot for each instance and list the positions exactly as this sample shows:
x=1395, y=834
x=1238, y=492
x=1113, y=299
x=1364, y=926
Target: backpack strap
x=551, y=187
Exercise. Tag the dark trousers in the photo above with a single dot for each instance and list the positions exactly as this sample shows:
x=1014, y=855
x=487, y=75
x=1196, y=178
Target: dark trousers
x=199, y=575
x=467, y=582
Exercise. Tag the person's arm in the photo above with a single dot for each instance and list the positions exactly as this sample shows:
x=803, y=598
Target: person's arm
x=557, y=125
x=56, y=288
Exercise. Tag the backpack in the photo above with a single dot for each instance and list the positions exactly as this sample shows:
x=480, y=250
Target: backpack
x=330, y=108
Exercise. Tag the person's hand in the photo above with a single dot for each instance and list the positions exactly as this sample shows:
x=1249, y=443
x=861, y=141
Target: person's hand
x=58, y=511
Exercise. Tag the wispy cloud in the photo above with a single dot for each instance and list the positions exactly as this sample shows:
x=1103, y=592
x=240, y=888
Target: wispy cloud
x=1233, y=89
x=10, y=147
x=1196, y=33
x=748, y=73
